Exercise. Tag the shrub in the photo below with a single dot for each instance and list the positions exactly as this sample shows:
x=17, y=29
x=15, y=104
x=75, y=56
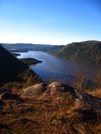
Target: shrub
x=97, y=80
x=79, y=79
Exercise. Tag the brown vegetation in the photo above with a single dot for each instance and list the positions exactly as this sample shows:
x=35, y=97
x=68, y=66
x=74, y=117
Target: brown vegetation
x=60, y=109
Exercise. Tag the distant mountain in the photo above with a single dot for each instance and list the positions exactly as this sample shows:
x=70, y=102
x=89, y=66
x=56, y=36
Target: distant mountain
x=88, y=51
x=25, y=47
x=10, y=67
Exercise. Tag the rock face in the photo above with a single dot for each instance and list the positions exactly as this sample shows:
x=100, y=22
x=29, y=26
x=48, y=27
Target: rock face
x=34, y=91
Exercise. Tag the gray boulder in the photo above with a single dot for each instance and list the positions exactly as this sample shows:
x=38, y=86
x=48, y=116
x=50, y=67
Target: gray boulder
x=57, y=88
x=34, y=91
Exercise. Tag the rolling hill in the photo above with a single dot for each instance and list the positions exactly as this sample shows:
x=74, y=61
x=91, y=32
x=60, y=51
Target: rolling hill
x=22, y=47
x=88, y=51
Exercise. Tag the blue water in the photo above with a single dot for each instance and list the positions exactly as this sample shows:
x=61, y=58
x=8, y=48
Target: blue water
x=49, y=77
x=53, y=68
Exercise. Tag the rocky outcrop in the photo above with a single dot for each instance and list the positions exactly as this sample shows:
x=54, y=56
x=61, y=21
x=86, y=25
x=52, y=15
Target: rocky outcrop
x=34, y=91
x=83, y=102
x=57, y=88
x=87, y=102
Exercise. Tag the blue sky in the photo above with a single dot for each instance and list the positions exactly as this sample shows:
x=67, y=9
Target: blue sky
x=49, y=21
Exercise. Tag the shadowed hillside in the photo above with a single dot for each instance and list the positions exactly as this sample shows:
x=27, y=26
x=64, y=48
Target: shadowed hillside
x=88, y=51
x=10, y=67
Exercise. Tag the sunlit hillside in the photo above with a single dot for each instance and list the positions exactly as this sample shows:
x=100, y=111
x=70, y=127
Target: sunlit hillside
x=88, y=51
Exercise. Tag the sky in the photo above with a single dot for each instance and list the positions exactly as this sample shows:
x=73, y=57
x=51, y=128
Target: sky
x=56, y=22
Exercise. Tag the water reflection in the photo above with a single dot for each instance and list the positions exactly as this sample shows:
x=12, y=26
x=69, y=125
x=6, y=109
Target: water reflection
x=58, y=67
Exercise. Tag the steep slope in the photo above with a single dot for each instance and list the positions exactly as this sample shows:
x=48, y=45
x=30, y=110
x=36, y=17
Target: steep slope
x=10, y=67
x=88, y=51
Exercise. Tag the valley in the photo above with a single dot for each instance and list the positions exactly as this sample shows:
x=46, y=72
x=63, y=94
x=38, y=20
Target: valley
x=31, y=101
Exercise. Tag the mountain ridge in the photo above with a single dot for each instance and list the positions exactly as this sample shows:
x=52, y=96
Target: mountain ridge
x=28, y=46
x=87, y=51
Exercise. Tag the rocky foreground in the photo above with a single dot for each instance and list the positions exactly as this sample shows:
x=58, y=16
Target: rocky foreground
x=49, y=109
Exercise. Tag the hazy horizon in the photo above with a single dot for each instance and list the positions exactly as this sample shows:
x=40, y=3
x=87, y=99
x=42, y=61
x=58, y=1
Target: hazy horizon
x=49, y=44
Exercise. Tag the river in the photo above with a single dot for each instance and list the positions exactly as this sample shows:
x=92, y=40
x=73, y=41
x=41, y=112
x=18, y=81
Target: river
x=54, y=68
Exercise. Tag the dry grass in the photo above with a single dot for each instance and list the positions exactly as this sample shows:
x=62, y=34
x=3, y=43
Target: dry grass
x=34, y=116
x=95, y=92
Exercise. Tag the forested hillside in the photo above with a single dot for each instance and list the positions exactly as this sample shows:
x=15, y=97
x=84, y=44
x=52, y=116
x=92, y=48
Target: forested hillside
x=88, y=51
